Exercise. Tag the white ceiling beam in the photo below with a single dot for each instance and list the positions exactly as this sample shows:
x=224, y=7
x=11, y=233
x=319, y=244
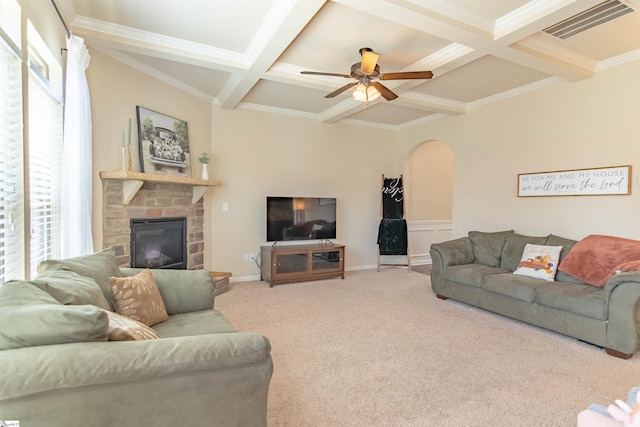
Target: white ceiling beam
x=554, y=58
x=280, y=27
x=446, y=21
x=157, y=46
x=420, y=17
x=344, y=109
x=431, y=103
x=154, y=72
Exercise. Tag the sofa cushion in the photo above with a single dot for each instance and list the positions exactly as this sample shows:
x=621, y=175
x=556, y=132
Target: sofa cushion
x=593, y=258
x=138, y=298
x=518, y=287
x=470, y=274
x=124, y=329
x=582, y=299
x=68, y=287
x=487, y=247
x=99, y=266
x=194, y=323
x=539, y=261
x=567, y=245
x=30, y=317
x=513, y=248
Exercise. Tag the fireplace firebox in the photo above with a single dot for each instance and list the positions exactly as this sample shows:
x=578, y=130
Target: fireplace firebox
x=159, y=243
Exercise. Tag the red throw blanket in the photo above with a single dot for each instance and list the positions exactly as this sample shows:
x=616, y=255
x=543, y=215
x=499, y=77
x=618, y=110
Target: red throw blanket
x=595, y=258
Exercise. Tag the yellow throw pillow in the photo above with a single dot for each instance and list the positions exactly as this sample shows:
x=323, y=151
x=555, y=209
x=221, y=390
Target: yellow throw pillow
x=138, y=298
x=124, y=329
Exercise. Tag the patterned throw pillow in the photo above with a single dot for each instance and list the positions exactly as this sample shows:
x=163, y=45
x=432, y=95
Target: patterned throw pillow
x=124, y=329
x=539, y=261
x=138, y=298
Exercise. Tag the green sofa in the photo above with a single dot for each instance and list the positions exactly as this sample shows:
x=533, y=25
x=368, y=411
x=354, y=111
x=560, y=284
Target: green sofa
x=60, y=369
x=478, y=269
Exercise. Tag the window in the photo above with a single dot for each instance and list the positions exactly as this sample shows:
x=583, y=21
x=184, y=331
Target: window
x=45, y=154
x=11, y=201
x=45, y=149
x=30, y=166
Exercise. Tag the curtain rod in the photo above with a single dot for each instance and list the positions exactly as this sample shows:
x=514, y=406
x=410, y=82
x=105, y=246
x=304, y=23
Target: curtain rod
x=64, y=24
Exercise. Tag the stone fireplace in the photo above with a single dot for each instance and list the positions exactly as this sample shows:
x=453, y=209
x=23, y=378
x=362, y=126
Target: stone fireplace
x=150, y=201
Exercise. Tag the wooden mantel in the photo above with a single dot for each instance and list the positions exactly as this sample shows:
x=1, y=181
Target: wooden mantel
x=132, y=181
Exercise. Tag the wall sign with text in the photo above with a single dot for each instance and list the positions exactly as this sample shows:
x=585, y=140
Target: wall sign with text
x=605, y=181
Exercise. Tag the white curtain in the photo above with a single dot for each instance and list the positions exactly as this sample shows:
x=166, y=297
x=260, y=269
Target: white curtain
x=76, y=237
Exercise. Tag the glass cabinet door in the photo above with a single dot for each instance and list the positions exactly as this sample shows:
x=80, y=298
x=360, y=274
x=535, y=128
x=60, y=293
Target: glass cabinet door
x=291, y=263
x=329, y=260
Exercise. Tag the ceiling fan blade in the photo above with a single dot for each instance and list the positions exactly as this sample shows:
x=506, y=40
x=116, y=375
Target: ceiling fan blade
x=407, y=75
x=320, y=73
x=369, y=60
x=385, y=91
x=342, y=89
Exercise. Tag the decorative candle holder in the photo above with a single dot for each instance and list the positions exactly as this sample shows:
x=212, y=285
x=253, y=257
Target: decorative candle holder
x=129, y=159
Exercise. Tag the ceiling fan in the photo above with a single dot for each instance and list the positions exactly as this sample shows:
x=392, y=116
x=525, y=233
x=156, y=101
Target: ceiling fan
x=366, y=72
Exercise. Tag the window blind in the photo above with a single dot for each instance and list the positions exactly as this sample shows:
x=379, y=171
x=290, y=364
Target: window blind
x=45, y=158
x=11, y=171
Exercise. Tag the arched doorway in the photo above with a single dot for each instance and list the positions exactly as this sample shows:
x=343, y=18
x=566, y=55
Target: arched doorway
x=429, y=187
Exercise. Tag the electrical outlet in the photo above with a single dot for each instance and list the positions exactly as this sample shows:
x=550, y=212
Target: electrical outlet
x=252, y=256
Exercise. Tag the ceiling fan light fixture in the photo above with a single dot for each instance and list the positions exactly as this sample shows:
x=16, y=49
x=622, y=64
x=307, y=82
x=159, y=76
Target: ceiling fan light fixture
x=365, y=93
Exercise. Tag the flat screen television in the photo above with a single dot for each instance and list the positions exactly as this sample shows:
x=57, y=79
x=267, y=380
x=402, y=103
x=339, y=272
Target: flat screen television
x=300, y=218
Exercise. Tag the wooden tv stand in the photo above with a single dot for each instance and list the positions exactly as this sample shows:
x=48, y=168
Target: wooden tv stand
x=299, y=263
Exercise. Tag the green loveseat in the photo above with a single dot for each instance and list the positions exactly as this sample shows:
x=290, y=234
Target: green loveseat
x=478, y=269
x=60, y=369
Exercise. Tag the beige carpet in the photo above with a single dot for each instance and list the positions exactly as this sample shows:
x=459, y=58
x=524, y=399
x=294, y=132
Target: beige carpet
x=379, y=349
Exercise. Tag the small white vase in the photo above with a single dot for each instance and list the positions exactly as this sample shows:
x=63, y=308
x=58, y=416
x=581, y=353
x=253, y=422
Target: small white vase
x=205, y=172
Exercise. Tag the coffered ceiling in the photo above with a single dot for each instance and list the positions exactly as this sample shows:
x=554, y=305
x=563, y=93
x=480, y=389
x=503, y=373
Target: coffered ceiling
x=249, y=53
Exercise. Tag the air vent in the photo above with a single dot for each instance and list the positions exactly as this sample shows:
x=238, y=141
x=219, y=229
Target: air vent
x=604, y=12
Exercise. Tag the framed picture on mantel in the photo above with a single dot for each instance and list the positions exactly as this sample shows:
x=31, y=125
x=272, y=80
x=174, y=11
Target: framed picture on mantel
x=163, y=144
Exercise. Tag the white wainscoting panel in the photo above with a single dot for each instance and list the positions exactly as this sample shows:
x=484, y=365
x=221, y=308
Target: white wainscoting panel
x=422, y=234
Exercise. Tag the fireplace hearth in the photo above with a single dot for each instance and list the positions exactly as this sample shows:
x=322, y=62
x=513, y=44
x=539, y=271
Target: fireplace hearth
x=159, y=243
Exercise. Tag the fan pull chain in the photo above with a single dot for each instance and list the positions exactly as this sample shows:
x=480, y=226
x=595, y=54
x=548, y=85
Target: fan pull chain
x=364, y=108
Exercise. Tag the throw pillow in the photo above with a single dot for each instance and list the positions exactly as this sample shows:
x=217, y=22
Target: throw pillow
x=487, y=247
x=593, y=258
x=539, y=261
x=124, y=329
x=138, y=298
x=30, y=317
x=99, y=266
x=70, y=288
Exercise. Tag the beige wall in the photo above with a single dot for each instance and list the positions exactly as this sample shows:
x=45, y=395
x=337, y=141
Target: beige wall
x=259, y=154
x=254, y=154
x=116, y=90
x=430, y=184
x=588, y=124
